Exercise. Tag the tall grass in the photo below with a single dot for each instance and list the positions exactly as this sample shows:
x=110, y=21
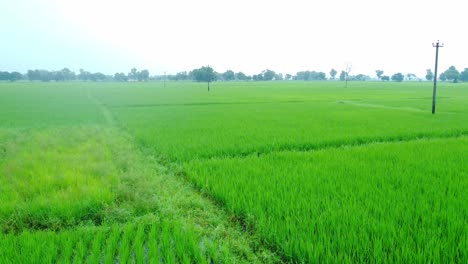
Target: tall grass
x=55, y=178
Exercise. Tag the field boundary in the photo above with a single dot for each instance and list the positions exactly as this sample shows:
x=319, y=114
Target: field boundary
x=102, y=108
x=380, y=106
x=207, y=104
x=338, y=144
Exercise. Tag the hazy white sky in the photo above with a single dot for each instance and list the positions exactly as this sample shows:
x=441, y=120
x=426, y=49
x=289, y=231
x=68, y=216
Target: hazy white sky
x=243, y=35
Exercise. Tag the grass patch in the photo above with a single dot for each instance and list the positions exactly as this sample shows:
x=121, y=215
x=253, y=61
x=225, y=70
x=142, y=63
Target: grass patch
x=55, y=178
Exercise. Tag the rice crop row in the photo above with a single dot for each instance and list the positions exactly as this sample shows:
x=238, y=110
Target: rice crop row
x=157, y=242
x=400, y=202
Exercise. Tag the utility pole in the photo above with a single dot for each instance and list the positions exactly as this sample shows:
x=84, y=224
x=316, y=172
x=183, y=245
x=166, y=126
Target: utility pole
x=437, y=46
x=348, y=70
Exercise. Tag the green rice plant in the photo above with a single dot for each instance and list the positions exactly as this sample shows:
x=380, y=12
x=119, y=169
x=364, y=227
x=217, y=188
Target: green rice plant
x=247, y=118
x=67, y=250
x=167, y=250
x=39, y=105
x=80, y=252
x=153, y=245
x=180, y=244
x=125, y=249
x=112, y=244
x=96, y=248
x=384, y=202
x=139, y=244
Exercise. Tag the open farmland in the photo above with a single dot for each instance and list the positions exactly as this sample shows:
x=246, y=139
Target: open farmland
x=249, y=172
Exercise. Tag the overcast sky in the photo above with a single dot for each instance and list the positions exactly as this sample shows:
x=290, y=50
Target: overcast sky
x=242, y=35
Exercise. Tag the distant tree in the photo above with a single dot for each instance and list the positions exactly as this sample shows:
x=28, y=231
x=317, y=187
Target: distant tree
x=268, y=75
x=31, y=75
x=58, y=76
x=429, y=75
x=180, y=76
x=302, y=76
x=333, y=73
x=4, y=76
x=321, y=76
x=133, y=74
x=241, y=76
x=361, y=77
x=443, y=77
x=411, y=76
x=120, y=77
x=288, y=77
x=379, y=74
x=452, y=74
x=398, y=77
x=143, y=75
x=15, y=76
x=257, y=77
x=67, y=74
x=44, y=75
x=84, y=75
x=97, y=77
x=279, y=77
x=385, y=78
x=464, y=75
x=204, y=74
x=310, y=76
x=342, y=76
x=228, y=75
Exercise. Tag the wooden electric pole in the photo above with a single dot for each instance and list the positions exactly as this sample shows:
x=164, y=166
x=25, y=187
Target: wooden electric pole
x=437, y=46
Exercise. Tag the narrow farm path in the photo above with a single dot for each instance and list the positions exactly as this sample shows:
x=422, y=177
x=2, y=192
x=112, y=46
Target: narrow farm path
x=110, y=121
x=411, y=109
x=357, y=142
x=180, y=201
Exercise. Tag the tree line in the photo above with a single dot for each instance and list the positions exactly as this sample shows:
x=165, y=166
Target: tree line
x=207, y=74
x=67, y=75
x=451, y=74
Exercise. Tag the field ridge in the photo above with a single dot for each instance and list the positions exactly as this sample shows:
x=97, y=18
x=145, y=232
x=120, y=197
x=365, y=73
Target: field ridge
x=110, y=120
x=336, y=144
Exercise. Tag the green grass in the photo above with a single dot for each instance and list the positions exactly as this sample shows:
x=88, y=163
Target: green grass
x=248, y=173
x=55, y=178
